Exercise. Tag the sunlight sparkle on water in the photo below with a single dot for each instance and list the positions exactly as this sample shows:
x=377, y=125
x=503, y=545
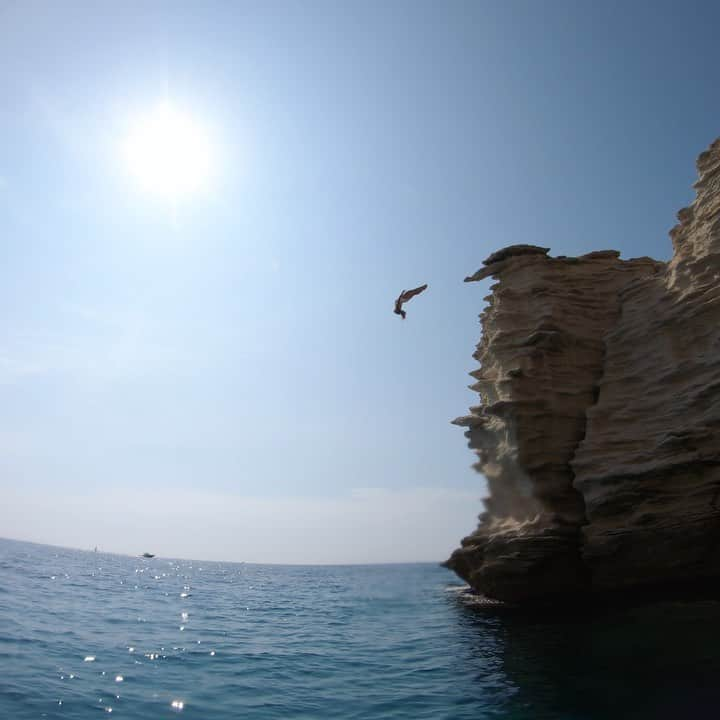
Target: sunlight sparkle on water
x=168, y=153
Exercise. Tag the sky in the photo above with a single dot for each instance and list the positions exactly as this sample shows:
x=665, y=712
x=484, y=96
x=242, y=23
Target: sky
x=219, y=375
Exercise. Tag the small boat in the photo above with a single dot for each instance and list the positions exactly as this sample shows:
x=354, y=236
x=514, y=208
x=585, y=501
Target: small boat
x=148, y=555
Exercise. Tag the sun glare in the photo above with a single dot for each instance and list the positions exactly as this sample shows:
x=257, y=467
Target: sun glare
x=167, y=153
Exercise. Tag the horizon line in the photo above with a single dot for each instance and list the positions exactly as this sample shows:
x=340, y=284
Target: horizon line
x=230, y=562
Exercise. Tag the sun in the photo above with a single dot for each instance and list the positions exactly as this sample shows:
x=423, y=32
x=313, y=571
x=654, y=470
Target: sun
x=168, y=153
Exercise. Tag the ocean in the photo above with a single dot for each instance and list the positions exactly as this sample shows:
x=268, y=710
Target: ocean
x=83, y=633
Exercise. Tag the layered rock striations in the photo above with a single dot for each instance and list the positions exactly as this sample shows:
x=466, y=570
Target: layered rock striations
x=598, y=427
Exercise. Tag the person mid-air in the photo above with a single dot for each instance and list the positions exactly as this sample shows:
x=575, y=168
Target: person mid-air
x=405, y=295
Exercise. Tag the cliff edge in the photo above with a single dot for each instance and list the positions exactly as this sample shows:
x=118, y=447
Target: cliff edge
x=598, y=427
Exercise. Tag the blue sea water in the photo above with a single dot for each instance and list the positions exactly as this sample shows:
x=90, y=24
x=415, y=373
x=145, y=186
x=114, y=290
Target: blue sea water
x=83, y=634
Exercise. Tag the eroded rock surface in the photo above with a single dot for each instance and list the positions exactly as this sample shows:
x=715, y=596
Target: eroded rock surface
x=598, y=428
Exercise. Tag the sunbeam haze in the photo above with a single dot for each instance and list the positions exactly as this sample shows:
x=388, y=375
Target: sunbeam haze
x=209, y=211
x=167, y=152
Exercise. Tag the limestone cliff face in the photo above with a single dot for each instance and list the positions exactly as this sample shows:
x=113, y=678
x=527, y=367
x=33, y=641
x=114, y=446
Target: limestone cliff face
x=598, y=427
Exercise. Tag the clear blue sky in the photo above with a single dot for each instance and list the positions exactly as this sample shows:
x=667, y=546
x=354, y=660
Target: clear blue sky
x=223, y=377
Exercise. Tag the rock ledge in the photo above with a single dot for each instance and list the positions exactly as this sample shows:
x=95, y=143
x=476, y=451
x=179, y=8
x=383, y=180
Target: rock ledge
x=598, y=428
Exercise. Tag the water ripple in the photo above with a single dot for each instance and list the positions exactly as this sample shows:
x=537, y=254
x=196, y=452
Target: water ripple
x=85, y=633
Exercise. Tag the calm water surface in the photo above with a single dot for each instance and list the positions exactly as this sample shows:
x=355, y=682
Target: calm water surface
x=82, y=634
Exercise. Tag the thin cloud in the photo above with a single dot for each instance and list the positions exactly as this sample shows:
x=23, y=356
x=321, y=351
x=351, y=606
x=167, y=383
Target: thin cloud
x=103, y=346
x=365, y=526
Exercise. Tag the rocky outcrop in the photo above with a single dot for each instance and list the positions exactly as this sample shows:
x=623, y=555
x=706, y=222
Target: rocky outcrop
x=598, y=428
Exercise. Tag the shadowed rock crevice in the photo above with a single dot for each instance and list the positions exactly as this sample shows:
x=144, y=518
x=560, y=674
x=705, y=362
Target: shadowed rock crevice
x=598, y=424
